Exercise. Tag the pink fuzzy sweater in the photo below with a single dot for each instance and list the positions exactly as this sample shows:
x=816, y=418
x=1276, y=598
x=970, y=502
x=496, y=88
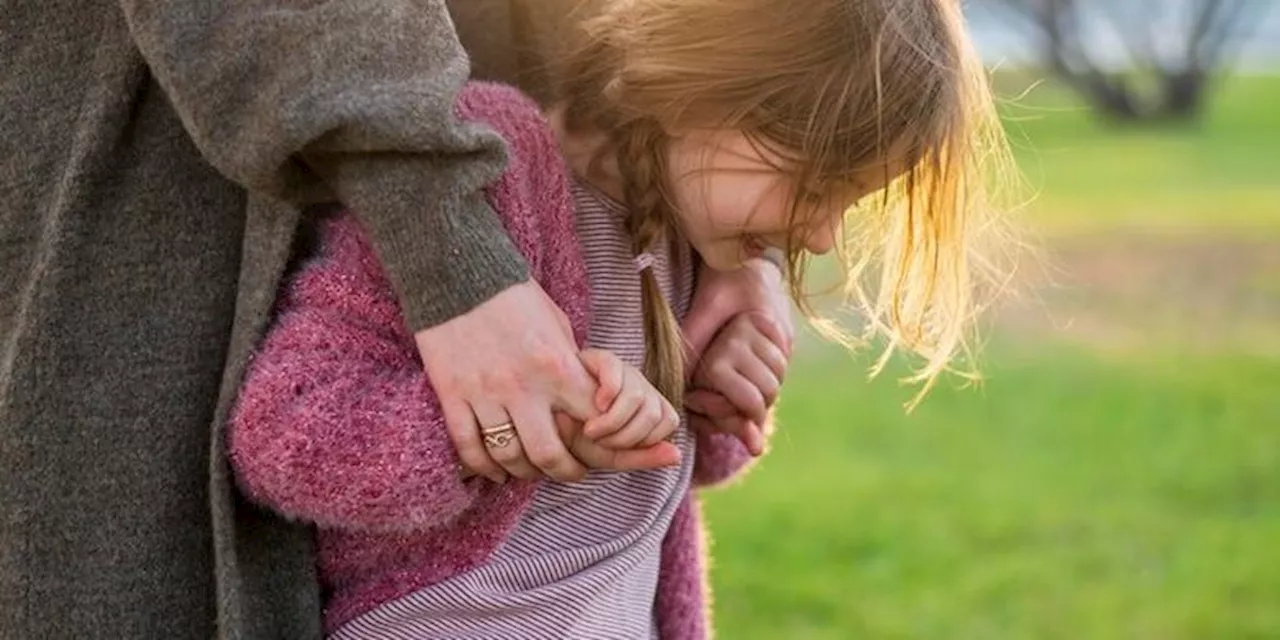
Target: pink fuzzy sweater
x=337, y=424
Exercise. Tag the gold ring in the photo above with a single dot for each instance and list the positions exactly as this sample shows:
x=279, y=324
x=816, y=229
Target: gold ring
x=499, y=436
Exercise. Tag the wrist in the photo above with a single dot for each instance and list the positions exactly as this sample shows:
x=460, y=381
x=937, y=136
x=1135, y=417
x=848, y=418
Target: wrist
x=772, y=264
x=776, y=257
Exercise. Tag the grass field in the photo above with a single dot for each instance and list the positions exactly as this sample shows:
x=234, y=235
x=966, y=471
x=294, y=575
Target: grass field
x=1220, y=175
x=1103, y=483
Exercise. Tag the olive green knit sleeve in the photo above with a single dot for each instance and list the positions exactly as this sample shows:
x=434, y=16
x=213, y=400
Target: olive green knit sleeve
x=349, y=100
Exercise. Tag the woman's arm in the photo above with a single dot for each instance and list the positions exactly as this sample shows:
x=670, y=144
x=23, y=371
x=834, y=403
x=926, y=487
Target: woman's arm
x=336, y=422
x=350, y=100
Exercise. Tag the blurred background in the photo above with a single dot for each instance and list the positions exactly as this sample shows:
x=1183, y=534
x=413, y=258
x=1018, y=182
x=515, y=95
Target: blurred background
x=1117, y=475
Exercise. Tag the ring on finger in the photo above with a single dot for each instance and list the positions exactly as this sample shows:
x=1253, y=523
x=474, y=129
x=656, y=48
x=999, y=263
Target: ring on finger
x=499, y=436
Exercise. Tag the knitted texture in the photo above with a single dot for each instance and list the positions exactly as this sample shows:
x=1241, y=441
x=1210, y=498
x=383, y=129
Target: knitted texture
x=337, y=423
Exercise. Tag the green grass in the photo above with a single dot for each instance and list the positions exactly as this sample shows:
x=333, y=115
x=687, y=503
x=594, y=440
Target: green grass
x=1088, y=175
x=1070, y=497
x=1125, y=492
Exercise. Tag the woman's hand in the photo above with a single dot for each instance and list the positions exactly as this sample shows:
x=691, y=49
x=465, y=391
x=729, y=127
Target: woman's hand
x=506, y=367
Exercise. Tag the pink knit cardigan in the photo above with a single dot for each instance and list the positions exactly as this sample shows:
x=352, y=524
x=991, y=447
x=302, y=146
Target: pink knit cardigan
x=337, y=424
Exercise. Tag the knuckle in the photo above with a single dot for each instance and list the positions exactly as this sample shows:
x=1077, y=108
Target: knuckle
x=525, y=472
x=777, y=361
x=770, y=392
x=720, y=369
x=548, y=362
x=545, y=458
x=507, y=455
x=497, y=382
x=650, y=413
x=475, y=460
x=722, y=299
x=666, y=410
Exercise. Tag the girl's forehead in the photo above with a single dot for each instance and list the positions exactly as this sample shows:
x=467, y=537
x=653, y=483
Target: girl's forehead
x=737, y=151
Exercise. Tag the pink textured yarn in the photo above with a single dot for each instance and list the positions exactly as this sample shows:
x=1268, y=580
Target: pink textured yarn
x=338, y=425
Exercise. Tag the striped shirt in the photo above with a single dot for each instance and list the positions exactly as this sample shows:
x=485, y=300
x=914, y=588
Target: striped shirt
x=583, y=561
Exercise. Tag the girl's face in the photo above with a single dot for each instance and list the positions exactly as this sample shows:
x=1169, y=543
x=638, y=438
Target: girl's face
x=734, y=200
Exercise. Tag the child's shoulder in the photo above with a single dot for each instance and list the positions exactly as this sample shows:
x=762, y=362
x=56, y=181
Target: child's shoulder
x=514, y=115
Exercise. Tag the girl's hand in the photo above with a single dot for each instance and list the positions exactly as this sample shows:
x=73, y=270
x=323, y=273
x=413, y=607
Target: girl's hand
x=628, y=434
x=738, y=378
x=723, y=295
x=633, y=412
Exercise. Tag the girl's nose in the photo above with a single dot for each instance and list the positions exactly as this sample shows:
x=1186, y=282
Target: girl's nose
x=822, y=238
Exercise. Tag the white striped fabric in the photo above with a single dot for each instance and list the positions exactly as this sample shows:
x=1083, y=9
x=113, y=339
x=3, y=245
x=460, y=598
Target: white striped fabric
x=583, y=562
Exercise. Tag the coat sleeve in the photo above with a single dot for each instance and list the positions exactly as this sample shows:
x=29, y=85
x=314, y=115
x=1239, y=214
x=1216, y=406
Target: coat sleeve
x=347, y=100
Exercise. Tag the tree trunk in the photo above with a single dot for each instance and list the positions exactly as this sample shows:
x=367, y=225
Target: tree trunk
x=1184, y=95
x=1112, y=99
x=1181, y=84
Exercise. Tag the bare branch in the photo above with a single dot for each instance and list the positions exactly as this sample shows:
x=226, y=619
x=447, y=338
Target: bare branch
x=1136, y=33
x=1204, y=24
x=1229, y=33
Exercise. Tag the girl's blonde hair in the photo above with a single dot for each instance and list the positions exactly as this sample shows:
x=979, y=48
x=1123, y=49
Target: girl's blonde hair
x=836, y=88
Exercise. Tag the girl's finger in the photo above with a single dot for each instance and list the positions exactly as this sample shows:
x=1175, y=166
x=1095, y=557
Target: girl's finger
x=772, y=355
x=768, y=328
x=625, y=405
x=609, y=372
x=758, y=373
x=752, y=437
x=667, y=424
x=709, y=403
x=637, y=428
x=750, y=434
x=741, y=392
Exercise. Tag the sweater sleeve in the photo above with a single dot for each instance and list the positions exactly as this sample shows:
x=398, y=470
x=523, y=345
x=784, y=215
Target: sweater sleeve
x=721, y=458
x=336, y=422
x=349, y=100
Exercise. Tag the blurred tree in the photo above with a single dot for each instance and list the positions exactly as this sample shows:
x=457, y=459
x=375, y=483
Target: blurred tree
x=1170, y=50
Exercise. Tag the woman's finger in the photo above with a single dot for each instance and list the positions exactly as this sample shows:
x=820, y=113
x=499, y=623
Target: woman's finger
x=502, y=440
x=542, y=445
x=465, y=433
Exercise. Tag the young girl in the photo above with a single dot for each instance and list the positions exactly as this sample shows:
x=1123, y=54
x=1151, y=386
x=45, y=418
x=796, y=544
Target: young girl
x=692, y=130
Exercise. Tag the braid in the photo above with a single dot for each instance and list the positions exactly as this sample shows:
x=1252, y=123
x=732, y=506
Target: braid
x=594, y=91
x=641, y=162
